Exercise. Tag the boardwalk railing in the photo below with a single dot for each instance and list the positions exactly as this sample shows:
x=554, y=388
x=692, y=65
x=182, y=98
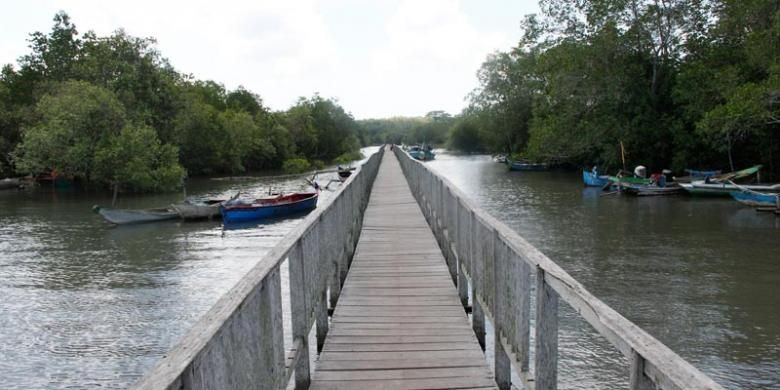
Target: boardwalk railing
x=502, y=268
x=239, y=343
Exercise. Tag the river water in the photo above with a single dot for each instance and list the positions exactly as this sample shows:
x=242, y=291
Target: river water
x=84, y=304
x=701, y=275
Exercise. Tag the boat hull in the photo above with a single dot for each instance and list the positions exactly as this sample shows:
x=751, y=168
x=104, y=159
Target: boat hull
x=255, y=212
x=724, y=189
x=197, y=211
x=755, y=199
x=10, y=184
x=652, y=190
x=528, y=167
x=126, y=216
x=593, y=180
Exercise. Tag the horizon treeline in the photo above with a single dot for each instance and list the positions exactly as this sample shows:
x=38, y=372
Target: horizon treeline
x=681, y=83
x=111, y=111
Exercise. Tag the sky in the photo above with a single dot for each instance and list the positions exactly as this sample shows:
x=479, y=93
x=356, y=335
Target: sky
x=378, y=58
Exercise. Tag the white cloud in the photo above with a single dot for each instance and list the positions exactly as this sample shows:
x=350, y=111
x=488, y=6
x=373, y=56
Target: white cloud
x=424, y=58
x=430, y=57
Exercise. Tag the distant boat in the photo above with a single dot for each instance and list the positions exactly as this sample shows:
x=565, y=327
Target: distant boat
x=130, y=216
x=10, y=183
x=345, y=172
x=694, y=174
x=422, y=153
x=651, y=189
x=755, y=199
x=724, y=189
x=269, y=207
x=593, y=179
x=198, y=209
x=527, y=166
x=500, y=158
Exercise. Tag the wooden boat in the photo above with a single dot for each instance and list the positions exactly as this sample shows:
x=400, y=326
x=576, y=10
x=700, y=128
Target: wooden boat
x=130, y=216
x=703, y=187
x=754, y=198
x=527, y=166
x=593, y=179
x=651, y=189
x=198, y=209
x=9, y=184
x=694, y=174
x=268, y=207
x=500, y=158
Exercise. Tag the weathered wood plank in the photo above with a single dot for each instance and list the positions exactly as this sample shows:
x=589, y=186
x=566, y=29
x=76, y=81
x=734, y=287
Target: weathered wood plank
x=399, y=322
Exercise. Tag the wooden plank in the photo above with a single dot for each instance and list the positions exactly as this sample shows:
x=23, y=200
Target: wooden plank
x=447, y=346
x=399, y=322
x=430, y=383
x=430, y=373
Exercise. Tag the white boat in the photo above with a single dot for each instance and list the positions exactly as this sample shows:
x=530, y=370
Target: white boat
x=702, y=187
x=128, y=216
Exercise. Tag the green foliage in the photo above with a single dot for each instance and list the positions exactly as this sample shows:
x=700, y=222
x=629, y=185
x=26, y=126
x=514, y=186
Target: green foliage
x=348, y=157
x=79, y=97
x=135, y=159
x=296, y=165
x=677, y=82
x=76, y=118
x=465, y=137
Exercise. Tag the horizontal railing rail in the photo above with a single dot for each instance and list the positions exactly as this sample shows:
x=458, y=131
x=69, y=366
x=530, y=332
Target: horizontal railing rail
x=502, y=268
x=239, y=342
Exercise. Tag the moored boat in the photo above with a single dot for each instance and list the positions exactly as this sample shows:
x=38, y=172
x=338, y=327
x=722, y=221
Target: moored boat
x=704, y=187
x=593, y=179
x=194, y=209
x=131, y=216
x=269, y=207
x=651, y=189
x=755, y=199
x=527, y=166
x=10, y=183
x=422, y=153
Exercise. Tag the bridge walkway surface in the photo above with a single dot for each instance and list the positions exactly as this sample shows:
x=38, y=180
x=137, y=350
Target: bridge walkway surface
x=399, y=323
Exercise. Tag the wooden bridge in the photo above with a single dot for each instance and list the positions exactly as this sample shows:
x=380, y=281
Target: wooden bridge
x=399, y=255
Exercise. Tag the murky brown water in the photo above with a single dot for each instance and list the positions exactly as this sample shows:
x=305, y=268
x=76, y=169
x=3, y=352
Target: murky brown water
x=701, y=275
x=83, y=304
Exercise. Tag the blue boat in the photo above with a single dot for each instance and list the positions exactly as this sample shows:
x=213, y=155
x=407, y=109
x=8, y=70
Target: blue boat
x=277, y=206
x=527, y=166
x=593, y=179
x=755, y=199
x=702, y=174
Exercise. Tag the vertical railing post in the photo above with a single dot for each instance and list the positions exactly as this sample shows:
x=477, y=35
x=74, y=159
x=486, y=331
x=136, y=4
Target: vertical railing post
x=503, y=367
x=523, y=326
x=463, y=252
x=638, y=379
x=546, y=333
x=300, y=314
x=477, y=315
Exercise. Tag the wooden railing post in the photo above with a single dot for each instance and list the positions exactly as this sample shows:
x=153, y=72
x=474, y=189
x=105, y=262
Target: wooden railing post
x=638, y=379
x=477, y=319
x=300, y=314
x=523, y=326
x=546, y=334
x=501, y=311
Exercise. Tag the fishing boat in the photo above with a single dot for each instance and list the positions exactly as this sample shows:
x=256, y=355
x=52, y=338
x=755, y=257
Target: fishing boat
x=651, y=189
x=198, y=209
x=723, y=185
x=527, y=166
x=694, y=174
x=131, y=216
x=500, y=158
x=10, y=183
x=422, y=153
x=593, y=179
x=278, y=206
x=345, y=172
x=755, y=199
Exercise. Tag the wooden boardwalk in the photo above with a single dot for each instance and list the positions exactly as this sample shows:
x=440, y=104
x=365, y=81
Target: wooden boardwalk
x=399, y=323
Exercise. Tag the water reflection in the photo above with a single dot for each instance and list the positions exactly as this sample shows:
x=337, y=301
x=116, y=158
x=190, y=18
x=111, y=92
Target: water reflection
x=699, y=274
x=86, y=304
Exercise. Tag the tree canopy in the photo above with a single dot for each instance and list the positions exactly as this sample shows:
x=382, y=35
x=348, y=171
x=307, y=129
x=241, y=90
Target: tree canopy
x=111, y=110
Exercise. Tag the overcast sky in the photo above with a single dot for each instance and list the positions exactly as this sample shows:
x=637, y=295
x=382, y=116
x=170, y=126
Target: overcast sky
x=379, y=58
